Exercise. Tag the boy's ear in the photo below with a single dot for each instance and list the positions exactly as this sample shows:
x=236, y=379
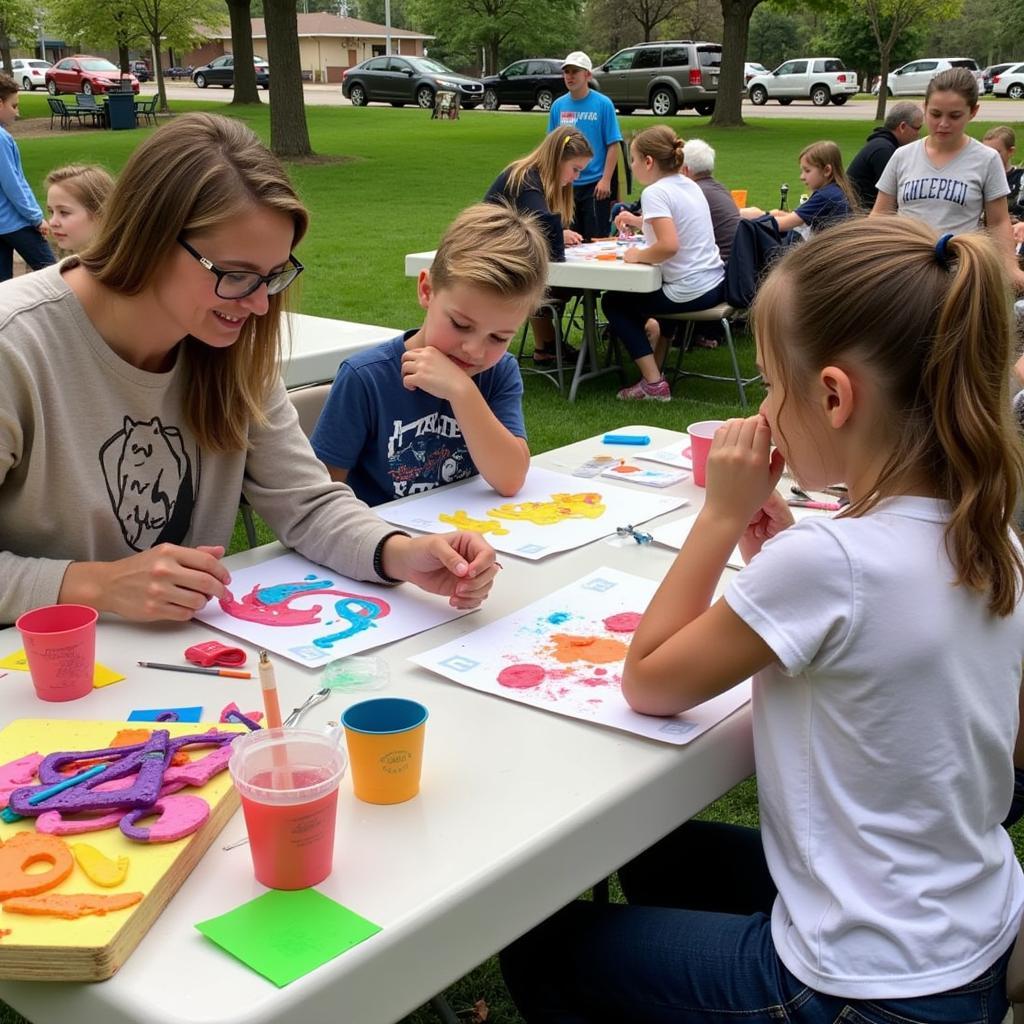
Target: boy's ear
x=838, y=395
x=424, y=289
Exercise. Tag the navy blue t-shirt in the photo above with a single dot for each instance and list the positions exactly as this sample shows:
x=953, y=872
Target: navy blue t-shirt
x=396, y=442
x=825, y=207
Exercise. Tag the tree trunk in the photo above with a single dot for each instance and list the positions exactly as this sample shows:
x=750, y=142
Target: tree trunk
x=122, y=58
x=883, y=83
x=241, y=47
x=158, y=70
x=735, y=31
x=289, y=133
x=5, y=51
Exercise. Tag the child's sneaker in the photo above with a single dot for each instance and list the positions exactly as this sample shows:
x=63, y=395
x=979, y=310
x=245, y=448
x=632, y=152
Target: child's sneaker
x=659, y=391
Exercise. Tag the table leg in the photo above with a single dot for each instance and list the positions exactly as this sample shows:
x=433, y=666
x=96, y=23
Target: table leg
x=588, y=364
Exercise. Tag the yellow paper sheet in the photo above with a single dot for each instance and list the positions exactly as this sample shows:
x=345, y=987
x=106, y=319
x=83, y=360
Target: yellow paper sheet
x=101, y=676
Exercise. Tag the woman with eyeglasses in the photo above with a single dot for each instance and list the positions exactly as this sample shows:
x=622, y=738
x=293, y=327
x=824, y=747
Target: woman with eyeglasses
x=141, y=396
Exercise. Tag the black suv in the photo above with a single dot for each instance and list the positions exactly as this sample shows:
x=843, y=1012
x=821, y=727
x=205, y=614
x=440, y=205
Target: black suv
x=536, y=82
x=666, y=76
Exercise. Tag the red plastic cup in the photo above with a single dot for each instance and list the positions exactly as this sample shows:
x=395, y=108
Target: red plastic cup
x=701, y=436
x=60, y=644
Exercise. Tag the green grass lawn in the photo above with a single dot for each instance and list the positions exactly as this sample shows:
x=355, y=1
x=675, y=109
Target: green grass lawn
x=391, y=182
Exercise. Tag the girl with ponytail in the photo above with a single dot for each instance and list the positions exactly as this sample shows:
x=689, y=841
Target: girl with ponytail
x=886, y=646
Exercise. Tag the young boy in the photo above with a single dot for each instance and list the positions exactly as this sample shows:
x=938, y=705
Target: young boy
x=593, y=114
x=22, y=226
x=443, y=402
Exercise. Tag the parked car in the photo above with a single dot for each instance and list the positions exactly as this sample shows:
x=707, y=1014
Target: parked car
x=751, y=69
x=401, y=80
x=177, y=72
x=535, y=82
x=221, y=71
x=28, y=73
x=83, y=73
x=140, y=69
x=670, y=75
x=993, y=70
x=912, y=79
x=1009, y=82
x=819, y=79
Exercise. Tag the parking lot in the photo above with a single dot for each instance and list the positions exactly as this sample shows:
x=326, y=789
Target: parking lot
x=854, y=110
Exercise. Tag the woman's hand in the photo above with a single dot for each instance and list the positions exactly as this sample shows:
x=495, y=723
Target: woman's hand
x=771, y=518
x=460, y=566
x=742, y=470
x=572, y=237
x=751, y=212
x=165, y=582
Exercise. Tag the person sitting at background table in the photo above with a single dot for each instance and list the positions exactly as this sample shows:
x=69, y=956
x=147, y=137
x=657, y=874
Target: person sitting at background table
x=680, y=238
x=142, y=395
x=542, y=183
x=444, y=401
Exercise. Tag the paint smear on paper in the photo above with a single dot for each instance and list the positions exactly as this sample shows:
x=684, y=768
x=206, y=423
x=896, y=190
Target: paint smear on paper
x=461, y=520
x=624, y=622
x=595, y=650
x=547, y=513
x=521, y=677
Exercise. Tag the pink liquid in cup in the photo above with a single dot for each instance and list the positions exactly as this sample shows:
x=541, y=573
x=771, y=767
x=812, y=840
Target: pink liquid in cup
x=288, y=781
x=701, y=436
x=60, y=644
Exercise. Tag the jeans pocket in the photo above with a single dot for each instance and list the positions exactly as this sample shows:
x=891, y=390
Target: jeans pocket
x=929, y=1011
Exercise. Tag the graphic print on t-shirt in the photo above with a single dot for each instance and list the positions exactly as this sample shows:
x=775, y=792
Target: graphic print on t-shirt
x=150, y=481
x=425, y=453
x=949, y=189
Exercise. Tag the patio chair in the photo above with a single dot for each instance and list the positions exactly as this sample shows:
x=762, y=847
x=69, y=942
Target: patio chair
x=87, y=106
x=145, y=110
x=59, y=109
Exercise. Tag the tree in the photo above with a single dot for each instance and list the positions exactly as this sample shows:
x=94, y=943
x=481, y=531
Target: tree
x=289, y=133
x=241, y=47
x=736, y=16
x=889, y=20
x=17, y=22
x=774, y=36
x=105, y=23
x=648, y=14
x=851, y=36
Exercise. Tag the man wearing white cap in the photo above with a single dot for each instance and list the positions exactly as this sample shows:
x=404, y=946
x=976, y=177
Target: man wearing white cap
x=593, y=114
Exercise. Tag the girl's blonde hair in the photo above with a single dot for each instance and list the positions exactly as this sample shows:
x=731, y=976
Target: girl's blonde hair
x=826, y=156
x=198, y=173
x=662, y=145
x=934, y=324
x=1002, y=133
x=562, y=144
x=89, y=184
x=496, y=248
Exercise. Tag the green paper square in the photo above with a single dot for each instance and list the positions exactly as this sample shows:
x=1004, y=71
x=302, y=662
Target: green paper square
x=284, y=935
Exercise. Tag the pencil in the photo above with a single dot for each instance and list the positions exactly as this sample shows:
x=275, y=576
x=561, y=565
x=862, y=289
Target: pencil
x=230, y=673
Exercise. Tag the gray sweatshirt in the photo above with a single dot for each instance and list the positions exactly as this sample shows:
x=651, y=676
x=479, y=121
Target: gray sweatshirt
x=96, y=462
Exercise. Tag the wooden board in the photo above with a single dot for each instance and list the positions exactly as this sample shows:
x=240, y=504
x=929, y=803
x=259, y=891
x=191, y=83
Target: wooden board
x=93, y=948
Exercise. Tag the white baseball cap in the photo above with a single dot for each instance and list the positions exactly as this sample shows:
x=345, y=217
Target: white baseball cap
x=578, y=59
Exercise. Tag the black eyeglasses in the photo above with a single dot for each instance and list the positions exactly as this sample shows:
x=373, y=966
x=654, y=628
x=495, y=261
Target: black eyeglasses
x=237, y=284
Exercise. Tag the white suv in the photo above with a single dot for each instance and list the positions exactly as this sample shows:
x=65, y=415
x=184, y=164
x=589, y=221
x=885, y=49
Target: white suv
x=912, y=79
x=819, y=79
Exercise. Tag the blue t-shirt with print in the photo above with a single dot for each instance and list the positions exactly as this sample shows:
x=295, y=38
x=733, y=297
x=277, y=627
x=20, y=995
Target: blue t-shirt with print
x=825, y=206
x=594, y=116
x=396, y=442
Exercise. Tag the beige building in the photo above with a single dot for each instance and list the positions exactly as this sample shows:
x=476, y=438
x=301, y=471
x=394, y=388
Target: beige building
x=328, y=45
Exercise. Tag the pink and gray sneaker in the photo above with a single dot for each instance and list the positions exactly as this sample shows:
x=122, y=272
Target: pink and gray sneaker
x=659, y=391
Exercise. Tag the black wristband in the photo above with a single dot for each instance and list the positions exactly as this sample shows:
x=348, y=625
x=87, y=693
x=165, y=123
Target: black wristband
x=378, y=556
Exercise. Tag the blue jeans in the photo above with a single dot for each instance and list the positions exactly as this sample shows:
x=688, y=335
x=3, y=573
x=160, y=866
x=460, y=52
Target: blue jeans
x=684, y=962
x=592, y=217
x=30, y=245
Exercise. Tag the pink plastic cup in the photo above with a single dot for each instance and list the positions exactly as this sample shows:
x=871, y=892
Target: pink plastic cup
x=60, y=644
x=288, y=780
x=701, y=436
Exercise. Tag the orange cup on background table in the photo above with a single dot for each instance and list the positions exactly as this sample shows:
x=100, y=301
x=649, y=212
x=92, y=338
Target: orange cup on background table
x=739, y=196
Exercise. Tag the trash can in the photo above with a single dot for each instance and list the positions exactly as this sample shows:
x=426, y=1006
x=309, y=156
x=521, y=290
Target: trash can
x=121, y=110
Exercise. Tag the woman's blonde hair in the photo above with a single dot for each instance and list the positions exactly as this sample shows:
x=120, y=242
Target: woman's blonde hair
x=562, y=144
x=198, y=173
x=89, y=184
x=934, y=324
x=827, y=157
x=496, y=248
x=662, y=145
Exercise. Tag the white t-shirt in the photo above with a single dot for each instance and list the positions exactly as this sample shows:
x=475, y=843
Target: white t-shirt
x=697, y=266
x=949, y=198
x=883, y=742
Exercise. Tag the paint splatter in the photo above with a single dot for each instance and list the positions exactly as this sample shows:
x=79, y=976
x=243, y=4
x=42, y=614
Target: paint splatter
x=521, y=677
x=461, y=520
x=593, y=649
x=586, y=505
x=557, y=618
x=623, y=622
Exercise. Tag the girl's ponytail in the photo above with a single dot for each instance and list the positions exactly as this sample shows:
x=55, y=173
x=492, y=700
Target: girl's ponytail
x=965, y=382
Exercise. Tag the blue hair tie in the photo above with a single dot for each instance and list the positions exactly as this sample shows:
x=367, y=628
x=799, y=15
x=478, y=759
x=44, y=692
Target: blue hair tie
x=941, y=256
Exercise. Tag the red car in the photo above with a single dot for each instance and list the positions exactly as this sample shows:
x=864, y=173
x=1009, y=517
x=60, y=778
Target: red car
x=82, y=73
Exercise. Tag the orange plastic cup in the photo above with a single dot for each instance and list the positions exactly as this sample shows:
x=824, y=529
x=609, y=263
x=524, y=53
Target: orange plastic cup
x=701, y=436
x=385, y=748
x=60, y=644
x=739, y=196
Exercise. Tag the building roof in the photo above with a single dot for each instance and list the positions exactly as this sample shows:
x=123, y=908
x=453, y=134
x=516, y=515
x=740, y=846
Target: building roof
x=327, y=25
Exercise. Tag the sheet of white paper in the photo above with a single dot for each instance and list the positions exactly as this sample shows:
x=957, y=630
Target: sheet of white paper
x=314, y=616
x=533, y=524
x=677, y=455
x=564, y=653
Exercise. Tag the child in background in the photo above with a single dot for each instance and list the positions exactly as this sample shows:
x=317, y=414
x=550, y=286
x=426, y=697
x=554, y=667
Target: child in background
x=832, y=197
x=1004, y=141
x=22, y=227
x=443, y=402
x=74, y=201
x=886, y=646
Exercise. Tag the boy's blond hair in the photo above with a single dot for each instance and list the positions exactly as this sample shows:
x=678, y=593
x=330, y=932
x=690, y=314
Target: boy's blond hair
x=495, y=248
